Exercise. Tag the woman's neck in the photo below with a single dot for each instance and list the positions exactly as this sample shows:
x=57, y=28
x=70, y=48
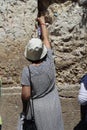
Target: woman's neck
x=37, y=64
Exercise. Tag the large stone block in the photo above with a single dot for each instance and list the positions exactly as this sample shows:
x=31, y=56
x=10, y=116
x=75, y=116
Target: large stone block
x=17, y=19
x=83, y=2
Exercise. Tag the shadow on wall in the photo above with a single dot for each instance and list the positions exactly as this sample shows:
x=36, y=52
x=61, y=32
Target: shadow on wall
x=43, y=4
x=83, y=23
x=84, y=18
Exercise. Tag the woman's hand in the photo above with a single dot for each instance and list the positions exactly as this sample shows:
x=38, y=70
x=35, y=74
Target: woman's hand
x=41, y=20
x=44, y=31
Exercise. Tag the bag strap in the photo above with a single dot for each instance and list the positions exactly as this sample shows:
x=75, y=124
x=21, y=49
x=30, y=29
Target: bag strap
x=30, y=103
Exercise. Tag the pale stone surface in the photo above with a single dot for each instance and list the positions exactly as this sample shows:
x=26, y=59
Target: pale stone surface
x=17, y=19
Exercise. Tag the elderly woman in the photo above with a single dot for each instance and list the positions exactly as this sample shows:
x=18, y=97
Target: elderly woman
x=47, y=108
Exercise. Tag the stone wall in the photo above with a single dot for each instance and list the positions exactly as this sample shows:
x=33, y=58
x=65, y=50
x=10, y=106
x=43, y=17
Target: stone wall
x=17, y=26
x=67, y=28
x=67, y=25
x=17, y=19
x=68, y=34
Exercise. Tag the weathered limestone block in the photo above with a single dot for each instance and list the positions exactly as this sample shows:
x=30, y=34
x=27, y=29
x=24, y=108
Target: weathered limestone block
x=82, y=2
x=68, y=37
x=64, y=25
x=17, y=26
x=17, y=19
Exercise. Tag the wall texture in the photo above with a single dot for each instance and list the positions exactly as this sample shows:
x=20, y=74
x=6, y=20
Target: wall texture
x=67, y=25
x=67, y=28
x=17, y=26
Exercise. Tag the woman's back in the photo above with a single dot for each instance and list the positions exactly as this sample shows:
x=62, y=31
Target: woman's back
x=42, y=76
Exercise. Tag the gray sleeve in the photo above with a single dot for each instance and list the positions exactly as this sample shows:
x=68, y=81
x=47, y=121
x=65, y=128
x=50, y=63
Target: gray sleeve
x=50, y=55
x=25, y=77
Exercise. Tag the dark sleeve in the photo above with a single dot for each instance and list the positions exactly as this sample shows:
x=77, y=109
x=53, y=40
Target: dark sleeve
x=84, y=81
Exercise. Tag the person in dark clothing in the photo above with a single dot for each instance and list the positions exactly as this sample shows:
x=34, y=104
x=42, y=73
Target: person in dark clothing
x=82, y=98
x=0, y=123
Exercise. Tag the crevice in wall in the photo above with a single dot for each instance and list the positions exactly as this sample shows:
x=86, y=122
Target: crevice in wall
x=43, y=5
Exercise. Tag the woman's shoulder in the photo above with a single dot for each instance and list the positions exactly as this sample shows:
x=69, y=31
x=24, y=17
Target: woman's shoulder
x=25, y=70
x=50, y=54
x=49, y=50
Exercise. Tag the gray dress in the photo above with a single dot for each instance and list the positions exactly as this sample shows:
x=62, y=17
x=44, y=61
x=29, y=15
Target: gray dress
x=47, y=108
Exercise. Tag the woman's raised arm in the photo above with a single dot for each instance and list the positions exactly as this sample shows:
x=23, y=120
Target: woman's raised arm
x=44, y=31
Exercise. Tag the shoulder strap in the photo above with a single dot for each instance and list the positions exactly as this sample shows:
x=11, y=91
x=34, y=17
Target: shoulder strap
x=31, y=102
x=30, y=80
